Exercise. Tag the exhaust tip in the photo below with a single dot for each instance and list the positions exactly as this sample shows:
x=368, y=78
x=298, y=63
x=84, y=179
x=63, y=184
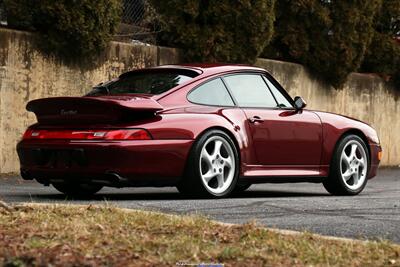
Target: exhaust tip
x=116, y=179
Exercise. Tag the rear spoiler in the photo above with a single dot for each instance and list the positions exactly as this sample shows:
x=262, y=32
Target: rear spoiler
x=64, y=110
x=134, y=103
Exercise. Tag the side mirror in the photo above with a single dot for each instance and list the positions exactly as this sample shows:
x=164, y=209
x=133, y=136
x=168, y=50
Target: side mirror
x=299, y=103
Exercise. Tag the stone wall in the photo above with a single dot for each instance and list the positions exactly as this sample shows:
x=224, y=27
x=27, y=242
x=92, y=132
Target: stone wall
x=365, y=97
x=25, y=74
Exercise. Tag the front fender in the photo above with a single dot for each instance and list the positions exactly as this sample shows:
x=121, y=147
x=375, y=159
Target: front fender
x=336, y=126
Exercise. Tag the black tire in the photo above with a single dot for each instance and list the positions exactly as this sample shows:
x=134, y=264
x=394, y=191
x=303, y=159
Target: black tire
x=335, y=184
x=192, y=185
x=241, y=187
x=77, y=190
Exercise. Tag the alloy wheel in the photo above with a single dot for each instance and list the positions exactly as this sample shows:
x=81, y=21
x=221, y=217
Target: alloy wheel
x=217, y=165
x=353, y=165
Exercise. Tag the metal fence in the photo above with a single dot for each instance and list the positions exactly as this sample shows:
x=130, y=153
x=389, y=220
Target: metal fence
x=139, y=22
x=133, y=11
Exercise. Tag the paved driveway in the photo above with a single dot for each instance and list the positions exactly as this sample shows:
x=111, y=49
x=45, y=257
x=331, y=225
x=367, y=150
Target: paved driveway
x=374, y=214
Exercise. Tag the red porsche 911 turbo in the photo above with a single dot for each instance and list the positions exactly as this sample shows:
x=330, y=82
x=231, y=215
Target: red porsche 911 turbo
x=209, y=130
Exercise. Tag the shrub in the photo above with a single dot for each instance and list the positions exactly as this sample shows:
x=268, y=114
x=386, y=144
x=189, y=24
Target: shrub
x=383, y=54
x=299, y=27
x=388, y=18
x=217, y=31
x=72, y=29
x=329, y=37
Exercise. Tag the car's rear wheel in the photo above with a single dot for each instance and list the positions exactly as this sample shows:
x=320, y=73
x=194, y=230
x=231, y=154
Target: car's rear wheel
x=77, y=190
x=349, y=167
x=241, y=187
x=212, y=169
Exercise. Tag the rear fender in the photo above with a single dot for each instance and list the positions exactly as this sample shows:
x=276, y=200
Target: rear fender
x=193, y=125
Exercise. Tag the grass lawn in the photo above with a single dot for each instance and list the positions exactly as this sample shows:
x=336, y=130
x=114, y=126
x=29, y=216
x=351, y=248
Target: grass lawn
x=62, y=235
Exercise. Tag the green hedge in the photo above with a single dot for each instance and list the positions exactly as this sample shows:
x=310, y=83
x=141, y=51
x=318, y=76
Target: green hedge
x=217, y=31
x=329, y=37
x=383, y=55
x=388, y=18
x=72, y=29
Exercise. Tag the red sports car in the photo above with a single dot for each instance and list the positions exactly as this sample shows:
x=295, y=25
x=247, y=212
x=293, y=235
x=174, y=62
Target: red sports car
x=209, y=130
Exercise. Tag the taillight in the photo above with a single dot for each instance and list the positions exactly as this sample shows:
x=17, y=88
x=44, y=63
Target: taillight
x=129, y=134
x=27, y=134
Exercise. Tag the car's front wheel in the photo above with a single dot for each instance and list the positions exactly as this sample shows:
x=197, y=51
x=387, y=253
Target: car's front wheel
x=77, y=190
x=212, y=169
x=349, y=167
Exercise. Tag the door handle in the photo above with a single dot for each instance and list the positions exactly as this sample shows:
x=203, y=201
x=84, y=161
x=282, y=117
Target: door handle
x=255, y=119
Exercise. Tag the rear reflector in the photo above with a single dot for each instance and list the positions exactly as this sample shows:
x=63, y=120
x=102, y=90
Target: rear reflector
x=130, y=134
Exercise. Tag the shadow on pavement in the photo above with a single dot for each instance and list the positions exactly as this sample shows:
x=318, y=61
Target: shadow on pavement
x=173, y=196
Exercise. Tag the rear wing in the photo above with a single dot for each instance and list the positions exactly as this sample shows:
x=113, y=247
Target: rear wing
x=57, y=110
x=135, y=103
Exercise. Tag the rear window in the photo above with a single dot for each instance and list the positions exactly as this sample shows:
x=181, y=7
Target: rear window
x=144, y=82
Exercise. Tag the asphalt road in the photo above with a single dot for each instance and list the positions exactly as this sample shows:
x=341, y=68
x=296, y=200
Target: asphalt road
x=374, y=214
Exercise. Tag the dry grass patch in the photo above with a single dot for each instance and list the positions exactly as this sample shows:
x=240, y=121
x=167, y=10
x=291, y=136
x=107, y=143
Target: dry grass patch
x=60, y=235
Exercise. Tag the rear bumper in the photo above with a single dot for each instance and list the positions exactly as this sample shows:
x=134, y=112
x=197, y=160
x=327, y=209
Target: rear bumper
x=375, y=150
x=141, y=162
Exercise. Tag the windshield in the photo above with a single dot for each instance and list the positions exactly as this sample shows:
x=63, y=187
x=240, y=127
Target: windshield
x=146, y=82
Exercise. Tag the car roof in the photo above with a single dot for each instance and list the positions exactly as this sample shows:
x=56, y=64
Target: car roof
x=212, y=68
x=202, y=69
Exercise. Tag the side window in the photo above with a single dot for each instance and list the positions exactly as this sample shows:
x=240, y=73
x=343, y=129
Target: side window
x=211, y=93
x=280, y=98
x=250, y=90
